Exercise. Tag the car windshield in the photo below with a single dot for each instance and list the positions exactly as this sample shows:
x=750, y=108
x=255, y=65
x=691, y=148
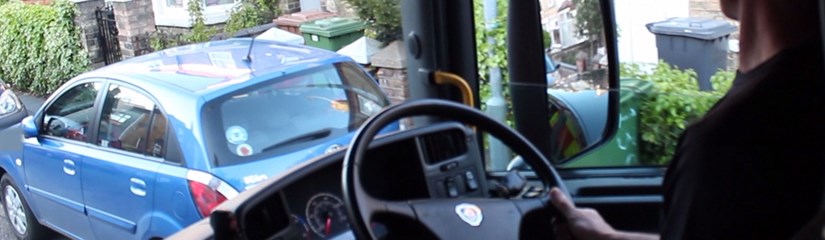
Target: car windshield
x=295, y=112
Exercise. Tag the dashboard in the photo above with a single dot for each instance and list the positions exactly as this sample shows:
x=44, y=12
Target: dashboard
x=306, y=202
x=316, y=208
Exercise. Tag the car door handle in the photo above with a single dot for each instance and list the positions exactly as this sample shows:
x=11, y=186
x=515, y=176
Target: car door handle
x=69, y=167
x=137, y=186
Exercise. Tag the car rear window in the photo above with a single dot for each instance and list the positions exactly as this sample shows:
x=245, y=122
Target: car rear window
x=293, y=112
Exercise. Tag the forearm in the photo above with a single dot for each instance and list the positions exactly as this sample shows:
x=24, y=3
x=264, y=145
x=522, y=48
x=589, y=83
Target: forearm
x=622, y=235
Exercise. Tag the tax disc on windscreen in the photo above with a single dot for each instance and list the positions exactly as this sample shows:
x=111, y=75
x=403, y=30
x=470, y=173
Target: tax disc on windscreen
x=243, y=150
x=236, y=135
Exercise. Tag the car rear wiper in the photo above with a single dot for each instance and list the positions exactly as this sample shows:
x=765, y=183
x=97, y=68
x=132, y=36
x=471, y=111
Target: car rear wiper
x=321, y=133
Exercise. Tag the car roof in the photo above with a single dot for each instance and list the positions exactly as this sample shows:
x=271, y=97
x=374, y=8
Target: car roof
x=208, y=67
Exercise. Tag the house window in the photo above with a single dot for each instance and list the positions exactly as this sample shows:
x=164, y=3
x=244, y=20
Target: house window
x=174, y=3
x=210, y=3
x=173, y=13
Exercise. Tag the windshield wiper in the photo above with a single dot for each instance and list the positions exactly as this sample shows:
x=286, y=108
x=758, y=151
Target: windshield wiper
x=318, y=134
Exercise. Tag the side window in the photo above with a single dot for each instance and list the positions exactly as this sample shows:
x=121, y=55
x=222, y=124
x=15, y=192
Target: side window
x=130, y=121
x=157, y=135
x=71, y=114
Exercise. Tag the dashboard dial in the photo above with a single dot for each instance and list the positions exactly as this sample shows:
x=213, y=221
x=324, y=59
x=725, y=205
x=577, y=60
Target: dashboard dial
x=326, y=215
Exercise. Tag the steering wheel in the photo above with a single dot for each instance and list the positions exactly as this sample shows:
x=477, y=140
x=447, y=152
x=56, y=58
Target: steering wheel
x=454, y=218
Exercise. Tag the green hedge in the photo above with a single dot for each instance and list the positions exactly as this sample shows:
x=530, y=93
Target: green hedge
x=674, y=103
x=40, y=46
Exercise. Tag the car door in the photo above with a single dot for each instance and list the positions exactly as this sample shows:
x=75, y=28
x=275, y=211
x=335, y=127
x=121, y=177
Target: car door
x=53, y=161
x=119, y=174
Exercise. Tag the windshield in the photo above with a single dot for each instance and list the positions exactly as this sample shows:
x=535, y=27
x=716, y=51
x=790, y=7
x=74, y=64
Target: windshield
x=294, y=112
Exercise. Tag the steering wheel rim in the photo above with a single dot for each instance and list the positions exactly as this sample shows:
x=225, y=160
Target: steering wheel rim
x=356, y=198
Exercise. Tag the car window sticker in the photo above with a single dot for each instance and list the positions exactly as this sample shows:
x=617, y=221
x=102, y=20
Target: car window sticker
x=236, y=135
x=243, y=150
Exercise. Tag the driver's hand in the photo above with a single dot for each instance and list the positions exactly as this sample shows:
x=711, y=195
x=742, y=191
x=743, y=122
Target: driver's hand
x=582, y=223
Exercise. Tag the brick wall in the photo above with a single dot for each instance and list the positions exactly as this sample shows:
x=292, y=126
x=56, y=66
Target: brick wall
x=394, y=83
x=134, y=19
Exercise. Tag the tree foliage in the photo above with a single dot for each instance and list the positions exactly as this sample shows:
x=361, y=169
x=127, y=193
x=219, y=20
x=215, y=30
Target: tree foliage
x=383, y=18
x=588, y=18
x=40, y=45
x=251, y=13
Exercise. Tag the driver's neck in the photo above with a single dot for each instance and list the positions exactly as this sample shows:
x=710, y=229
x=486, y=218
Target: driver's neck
x=768, y=28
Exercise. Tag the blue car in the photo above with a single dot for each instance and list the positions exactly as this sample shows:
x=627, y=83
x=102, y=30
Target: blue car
x=142, y=148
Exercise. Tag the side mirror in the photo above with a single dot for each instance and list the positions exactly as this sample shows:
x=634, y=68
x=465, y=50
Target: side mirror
x=29, y=127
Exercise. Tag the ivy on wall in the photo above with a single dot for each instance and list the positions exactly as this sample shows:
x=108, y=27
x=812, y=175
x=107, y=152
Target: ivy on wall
x=40, y=45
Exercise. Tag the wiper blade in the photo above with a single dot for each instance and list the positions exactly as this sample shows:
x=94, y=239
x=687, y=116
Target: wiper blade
x=318, y=134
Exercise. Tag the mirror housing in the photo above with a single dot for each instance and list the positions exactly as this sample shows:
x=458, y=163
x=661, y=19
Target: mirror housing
x=29, y=127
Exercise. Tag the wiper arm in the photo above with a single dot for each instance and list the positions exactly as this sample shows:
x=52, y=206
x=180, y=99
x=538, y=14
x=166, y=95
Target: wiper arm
x=321, y=133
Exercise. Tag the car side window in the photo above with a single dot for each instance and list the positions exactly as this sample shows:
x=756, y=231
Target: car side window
x=132, y=122
x=70, y=116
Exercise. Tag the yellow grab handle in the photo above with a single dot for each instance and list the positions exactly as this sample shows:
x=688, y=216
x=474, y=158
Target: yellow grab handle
x=443, y=78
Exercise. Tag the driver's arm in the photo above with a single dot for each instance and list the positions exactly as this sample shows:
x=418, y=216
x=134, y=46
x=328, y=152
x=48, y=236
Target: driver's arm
x=586, y=223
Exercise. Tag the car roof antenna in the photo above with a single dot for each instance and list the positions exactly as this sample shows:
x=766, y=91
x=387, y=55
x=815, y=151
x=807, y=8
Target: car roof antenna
x=248, y=57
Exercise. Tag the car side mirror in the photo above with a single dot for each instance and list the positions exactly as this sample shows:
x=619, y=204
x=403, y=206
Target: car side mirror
x=29, y=127
x=558, y=65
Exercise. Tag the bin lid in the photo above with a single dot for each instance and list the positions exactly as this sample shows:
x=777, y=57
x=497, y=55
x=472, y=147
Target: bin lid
x=332, y=27
x=361, y=50
x=276, y=34
x=298, y=18
x=700, y=28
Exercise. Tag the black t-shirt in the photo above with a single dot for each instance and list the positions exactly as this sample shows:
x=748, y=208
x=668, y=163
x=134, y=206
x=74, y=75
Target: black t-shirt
x=752, y=168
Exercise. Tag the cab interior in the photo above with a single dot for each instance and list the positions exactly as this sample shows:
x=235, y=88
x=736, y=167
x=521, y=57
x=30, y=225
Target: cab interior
x=409, y=184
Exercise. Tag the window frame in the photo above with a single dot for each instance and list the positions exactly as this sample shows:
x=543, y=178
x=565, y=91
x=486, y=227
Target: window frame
x=169, y=142
x=41, y=116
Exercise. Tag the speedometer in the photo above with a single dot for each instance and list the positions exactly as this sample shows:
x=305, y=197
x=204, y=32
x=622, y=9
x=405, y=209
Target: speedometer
x=326, y=215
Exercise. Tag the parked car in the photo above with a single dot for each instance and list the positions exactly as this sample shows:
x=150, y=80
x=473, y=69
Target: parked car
x=550, y=68
x=142, y=148
x=12, y=109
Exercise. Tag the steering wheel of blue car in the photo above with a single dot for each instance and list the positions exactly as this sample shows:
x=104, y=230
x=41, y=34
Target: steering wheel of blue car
x=454, y=218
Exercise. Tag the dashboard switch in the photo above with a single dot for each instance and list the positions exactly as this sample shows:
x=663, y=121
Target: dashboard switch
x=452, y=190
x=449, y=166
x=472, y=184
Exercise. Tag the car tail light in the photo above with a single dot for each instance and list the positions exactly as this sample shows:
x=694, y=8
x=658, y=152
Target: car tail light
x=206, y=198
x=208, y=191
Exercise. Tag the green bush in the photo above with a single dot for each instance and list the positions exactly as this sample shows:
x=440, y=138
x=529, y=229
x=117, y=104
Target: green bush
x=674, y=103
x=498, y=58
x=251, y=13
x=40, y=46
x=383, y=18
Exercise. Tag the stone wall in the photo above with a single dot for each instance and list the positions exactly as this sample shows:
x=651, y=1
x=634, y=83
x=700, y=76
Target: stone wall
x=87, y=22
x=290, y=6
x=340, y=7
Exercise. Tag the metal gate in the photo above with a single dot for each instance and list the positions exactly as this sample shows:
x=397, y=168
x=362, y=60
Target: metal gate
x=107, y=34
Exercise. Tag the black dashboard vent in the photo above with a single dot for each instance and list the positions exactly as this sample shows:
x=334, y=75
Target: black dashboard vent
x=444, y=145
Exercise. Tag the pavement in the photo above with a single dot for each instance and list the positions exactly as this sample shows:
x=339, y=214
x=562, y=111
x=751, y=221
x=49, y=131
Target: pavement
x=6, y=230
x=32, y=104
